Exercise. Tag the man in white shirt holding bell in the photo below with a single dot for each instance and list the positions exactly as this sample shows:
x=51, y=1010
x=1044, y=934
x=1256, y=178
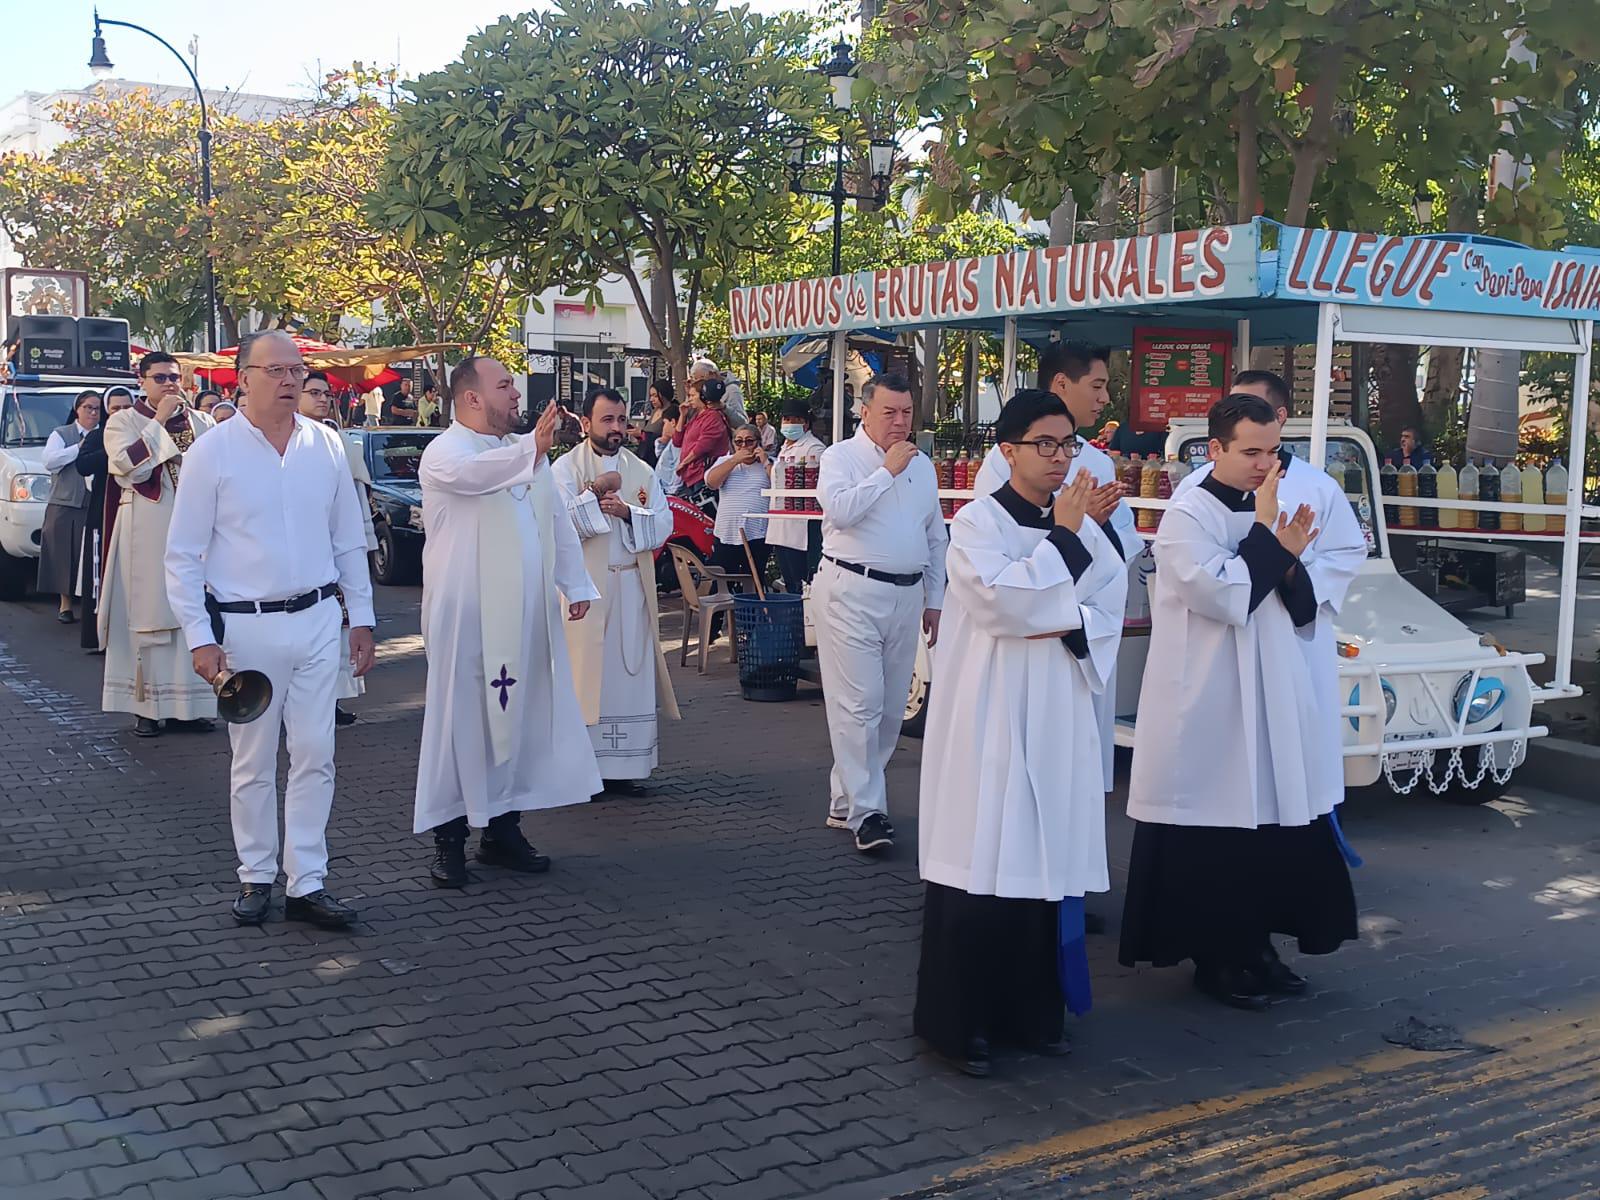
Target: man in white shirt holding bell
x=881, y=582
x=266, y=532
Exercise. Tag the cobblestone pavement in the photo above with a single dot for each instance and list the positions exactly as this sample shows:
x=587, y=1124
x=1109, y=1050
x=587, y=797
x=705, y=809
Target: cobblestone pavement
x=710, y=994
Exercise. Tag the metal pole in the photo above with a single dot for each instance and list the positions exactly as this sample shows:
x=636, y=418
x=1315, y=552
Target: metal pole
x=1575, y=482
x=838, y=204
x=1322, y=385
x=1241, y=348
x=1008, y=368
x=840, y=343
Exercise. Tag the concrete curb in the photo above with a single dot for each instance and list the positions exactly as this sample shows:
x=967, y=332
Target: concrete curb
x=1561, y=765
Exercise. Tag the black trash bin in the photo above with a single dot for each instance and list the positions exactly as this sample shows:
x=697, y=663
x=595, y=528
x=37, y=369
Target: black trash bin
x=769, y=636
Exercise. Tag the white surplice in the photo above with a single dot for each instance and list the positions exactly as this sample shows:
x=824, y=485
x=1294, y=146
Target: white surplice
x=466, y=479
x=996, y=471
x=1233, y=728
x=1011, y=797
x=148, y=669
x=350, y=685
x=625, y=734
x=1331, y=562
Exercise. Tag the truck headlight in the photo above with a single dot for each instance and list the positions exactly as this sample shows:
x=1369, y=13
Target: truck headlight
x=415, y=517
x=1390, y=702
x=1484, y=702
x=30, y=487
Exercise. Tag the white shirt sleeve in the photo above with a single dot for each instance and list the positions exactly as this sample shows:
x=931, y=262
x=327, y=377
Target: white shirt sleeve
x=843, y=491
x=649, y=526
x=571, y=576
x=194, y=514
x=57, y=454
x=485, y=471
x=349, y=547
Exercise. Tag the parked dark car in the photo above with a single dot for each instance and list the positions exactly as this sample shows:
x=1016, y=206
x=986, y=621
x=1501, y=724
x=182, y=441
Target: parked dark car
x=392, y=457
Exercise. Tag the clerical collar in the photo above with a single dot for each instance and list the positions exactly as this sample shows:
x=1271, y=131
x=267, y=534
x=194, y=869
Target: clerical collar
x=1023, y=512
x=1232, y=498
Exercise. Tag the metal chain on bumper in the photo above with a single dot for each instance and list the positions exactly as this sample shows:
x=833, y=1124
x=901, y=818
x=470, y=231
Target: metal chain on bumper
x=1453, y=768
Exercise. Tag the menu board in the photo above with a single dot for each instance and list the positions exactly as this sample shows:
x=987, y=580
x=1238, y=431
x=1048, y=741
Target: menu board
x=1178, y=373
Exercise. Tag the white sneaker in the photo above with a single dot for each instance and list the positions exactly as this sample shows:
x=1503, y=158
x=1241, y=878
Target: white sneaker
x=838, y=822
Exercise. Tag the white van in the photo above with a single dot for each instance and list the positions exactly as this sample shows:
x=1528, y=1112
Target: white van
x=29, y=413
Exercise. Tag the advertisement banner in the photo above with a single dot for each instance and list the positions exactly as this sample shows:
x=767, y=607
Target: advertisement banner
x=1178, y=373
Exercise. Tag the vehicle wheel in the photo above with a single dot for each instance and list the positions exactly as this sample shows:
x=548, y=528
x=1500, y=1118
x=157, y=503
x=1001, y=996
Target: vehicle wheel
x=916, y=718
x=1487, y=790
x=16, y=576
x=391, y=565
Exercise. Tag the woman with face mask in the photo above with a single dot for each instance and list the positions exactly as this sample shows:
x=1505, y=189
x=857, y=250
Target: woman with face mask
x=796, y=543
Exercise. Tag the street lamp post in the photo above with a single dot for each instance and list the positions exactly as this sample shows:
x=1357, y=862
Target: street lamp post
x=840, y=71
x=100, y=66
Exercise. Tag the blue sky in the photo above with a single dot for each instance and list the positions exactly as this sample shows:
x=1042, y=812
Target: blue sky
x=255, y=48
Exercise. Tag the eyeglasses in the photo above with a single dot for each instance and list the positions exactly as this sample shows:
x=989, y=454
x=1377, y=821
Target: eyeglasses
x=323, y=393
x=297, y=372
x=743, y=442
x=1049, y=447
x=163, y=377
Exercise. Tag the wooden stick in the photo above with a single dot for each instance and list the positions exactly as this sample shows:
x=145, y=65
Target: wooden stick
x=749, y=557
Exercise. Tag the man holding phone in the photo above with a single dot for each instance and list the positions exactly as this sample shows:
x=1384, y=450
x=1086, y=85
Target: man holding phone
x=881, y=582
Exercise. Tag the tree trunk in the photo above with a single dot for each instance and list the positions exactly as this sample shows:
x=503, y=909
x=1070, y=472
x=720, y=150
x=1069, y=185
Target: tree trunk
x=928, y=409
x=1107, y=207
x=1064, y=221
x=1394, y=368
x=1248, y=201
x=1157, y=191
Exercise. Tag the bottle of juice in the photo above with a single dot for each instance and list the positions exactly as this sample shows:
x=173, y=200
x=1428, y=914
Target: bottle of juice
x=794, y=474
x=1555, y=494
x=1406, y=484
x=1177, y=470
x=1467, y=486
x=1132, y=474
x=1449, y=518
x=1511, y=493
x=1489, y=491
x=1533, y=493
x=1428, y=489
x=810, y=477
x=1165, y=483
x=946, y=474
x=1150, y=476
x=1389, y=485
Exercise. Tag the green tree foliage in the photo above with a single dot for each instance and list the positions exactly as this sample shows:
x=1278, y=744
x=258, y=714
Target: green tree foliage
x=1312, y=110
x=600, y=139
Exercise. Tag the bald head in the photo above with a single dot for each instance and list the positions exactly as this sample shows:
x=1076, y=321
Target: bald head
x=270, y=375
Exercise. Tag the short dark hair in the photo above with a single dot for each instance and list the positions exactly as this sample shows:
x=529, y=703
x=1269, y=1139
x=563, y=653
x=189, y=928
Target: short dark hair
x=86, y=394
x=322, y=375
x=156, y=357
x=1072, y=359
x=1277, y=388
x=1227, y=413
x=204, y=392
x=890, y=381
x=1023, y=409
x=601, y=393
x=465, y=377
x=663, y=387
x=429, y=387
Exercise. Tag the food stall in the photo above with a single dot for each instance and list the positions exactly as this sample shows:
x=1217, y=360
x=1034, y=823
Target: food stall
x=1428, y=698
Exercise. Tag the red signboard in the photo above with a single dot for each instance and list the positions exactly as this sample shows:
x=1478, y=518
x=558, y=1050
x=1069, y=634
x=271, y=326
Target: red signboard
x=1178, y=373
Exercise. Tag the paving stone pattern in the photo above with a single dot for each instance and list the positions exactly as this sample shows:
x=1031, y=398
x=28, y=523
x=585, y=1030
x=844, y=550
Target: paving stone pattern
x=709, y=995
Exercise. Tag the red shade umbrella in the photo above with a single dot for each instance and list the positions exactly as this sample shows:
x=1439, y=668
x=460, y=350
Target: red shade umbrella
x=362, y=377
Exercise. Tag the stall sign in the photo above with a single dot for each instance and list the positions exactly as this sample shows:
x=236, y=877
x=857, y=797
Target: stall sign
x=1178, y=373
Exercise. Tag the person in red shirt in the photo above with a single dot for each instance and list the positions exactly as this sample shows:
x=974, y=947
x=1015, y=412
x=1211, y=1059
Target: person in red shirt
x=705, y=437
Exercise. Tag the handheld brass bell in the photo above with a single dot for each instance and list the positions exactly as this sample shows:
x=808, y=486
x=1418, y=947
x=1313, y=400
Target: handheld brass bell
x=242, y=696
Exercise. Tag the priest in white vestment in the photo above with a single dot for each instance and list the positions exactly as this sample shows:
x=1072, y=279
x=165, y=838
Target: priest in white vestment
x=502, y=732
x=1237, y=766
x=316, y=403
x=1012, y=823
x=617, y=664
x=148, y=670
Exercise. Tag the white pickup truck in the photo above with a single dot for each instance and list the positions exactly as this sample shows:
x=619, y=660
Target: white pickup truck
x=1425, y=699
x=29, y=412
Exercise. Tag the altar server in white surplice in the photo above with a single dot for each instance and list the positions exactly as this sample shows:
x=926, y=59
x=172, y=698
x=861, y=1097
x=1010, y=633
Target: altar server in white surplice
x=1237, y=768
x=1012, y=831
x=1078, y=374
x=502, y=732
x=621, y=514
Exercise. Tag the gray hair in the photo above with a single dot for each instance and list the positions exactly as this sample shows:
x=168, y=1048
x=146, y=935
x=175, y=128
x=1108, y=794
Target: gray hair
x=702, y=368
x=247, y=344
x=747, y=427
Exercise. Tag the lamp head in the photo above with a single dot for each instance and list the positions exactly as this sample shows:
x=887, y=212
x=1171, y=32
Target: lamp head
x=1422, y=206
x=841, y=73
x=99, y=61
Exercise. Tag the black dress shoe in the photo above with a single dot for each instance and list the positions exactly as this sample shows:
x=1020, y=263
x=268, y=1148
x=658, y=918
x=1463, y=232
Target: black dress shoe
x=199, y=725
x=319, y=909
x=146, y=727
x=343, y=717
x=1276, y=978
x=976, y=1061
x=1059, y=1048
x=252, y=903
x=1234, y=986
x=503, y=845
x=66, y=618
x=622, y=787
x=449, y=869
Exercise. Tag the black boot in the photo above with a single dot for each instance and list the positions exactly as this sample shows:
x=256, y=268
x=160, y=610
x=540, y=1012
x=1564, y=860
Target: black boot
x=449, y=868
x=502, y=845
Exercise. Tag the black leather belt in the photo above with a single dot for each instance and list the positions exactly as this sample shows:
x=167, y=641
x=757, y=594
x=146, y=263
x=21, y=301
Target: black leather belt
x=293, y=604
x=880, y=576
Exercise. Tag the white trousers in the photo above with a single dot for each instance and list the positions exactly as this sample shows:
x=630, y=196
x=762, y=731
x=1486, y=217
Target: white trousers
x=867, y=648
x=299, y=652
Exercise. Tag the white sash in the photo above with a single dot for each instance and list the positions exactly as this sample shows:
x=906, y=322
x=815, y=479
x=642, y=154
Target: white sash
x=500, y=586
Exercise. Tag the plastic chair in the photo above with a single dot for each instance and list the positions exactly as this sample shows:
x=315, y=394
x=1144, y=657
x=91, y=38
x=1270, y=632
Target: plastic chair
x=706, y=591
